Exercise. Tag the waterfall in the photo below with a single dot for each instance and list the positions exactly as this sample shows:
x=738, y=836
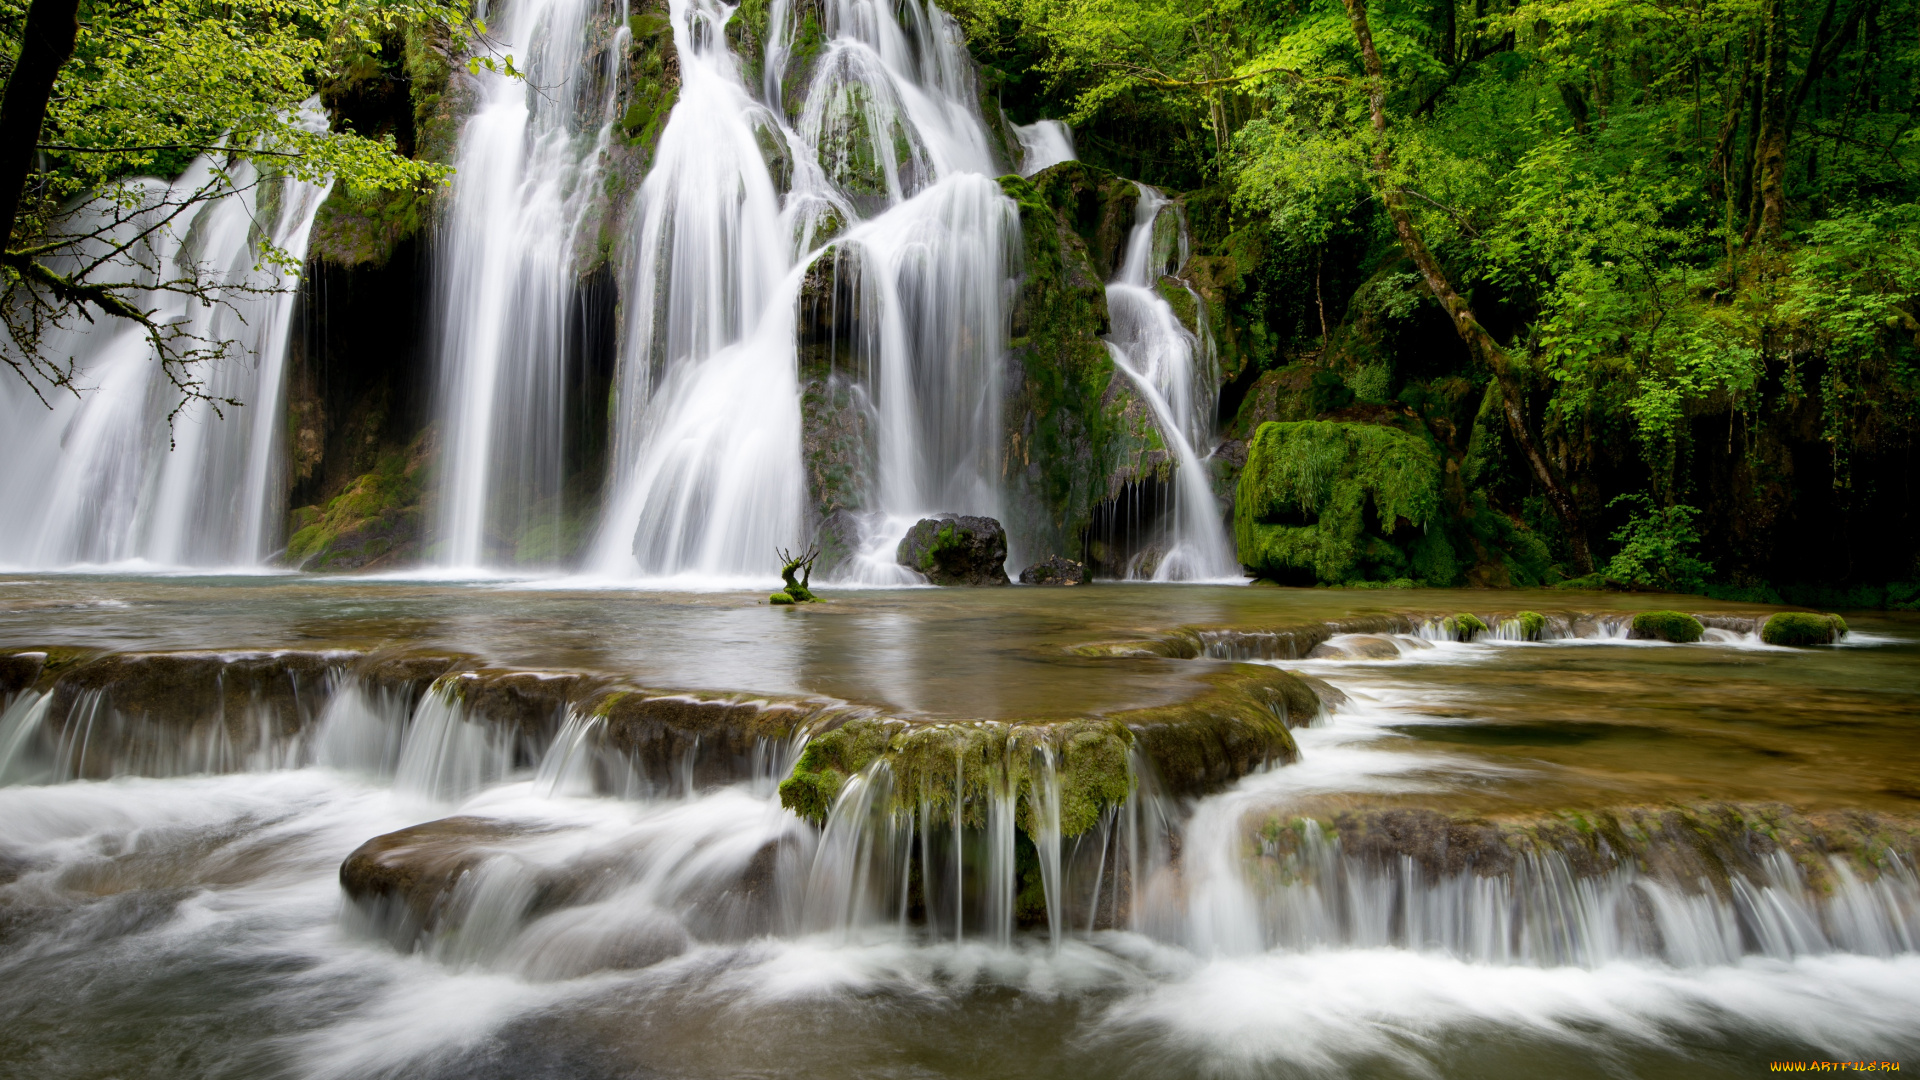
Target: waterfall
x=1044, y=143
x=527, y=174
x=1170, y=369
x=111, y=475
x=882, y=180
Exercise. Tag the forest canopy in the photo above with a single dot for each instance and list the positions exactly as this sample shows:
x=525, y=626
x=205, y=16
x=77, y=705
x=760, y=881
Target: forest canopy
x=1678, y=221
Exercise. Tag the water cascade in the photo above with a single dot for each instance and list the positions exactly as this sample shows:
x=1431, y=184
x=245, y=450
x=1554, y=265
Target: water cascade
x=113, y=475
x=876, y=187
x=526, y=181
x=1171, y=368
x=1044, y=143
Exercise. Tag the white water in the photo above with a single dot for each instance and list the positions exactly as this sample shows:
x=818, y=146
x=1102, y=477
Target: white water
x=527, y=174
x=664, y=907
x=93, y=480
x=1044, y=143
x=887, y=160
x=1172, y=372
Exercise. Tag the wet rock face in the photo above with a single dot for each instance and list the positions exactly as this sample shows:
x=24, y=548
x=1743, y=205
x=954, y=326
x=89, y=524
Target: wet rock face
x=415, y=868
x=956, y=549
x=1054, y=570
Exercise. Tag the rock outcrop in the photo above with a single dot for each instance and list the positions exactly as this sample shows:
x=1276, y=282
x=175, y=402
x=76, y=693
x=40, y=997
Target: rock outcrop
x=1054, y=570
x=956, y=549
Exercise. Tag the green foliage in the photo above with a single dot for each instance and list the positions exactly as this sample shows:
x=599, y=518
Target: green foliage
x=1656, y=549
x=165, y=77
x=1802, y=628
x=1333, y=502
x=1674, y=626
x=150, y=85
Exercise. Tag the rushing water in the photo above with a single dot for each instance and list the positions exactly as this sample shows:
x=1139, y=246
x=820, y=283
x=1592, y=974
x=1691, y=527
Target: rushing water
x=623, y=919
x=884, y=177
x=113, y=474
x=526, y=178
x=1172, y=371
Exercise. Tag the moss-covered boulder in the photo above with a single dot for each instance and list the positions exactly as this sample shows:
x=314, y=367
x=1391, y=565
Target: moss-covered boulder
x=1062, y=420
x=956, y=549
x=1802, y=628
x=1674, y=626
x=1463, y=627
x=1327, y=502
x=376, y=521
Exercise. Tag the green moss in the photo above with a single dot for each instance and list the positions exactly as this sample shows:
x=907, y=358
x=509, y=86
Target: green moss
x=824, y=766
x=653, y=83
x=1532, y=623
x=1672, y=626
x=933, y=766
x=1181, y=301
x=1464, y=626
x=1066, y=432
x=375, y=517
x=779, y=598
x=1802, y=628
x=363, y=228
x=1319, y=501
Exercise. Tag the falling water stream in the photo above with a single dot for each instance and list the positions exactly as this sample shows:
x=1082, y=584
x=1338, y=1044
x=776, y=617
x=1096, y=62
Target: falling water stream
x=885, y=175
x=526, y=178
x=113, y=474
x=1168, y=365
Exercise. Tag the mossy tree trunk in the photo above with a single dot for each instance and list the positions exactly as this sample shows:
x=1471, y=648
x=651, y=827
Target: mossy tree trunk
x=1478, y=341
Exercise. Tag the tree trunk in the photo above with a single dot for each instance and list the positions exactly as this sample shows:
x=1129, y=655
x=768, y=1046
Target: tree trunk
x=45, y=46
x=1770, y=162
x=1478, y=341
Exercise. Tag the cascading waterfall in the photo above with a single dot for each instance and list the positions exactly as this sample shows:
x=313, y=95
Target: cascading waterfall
x=723, y=860
x=886, y=173
x=1044, y=143
x=110, y=475
x=1169, y=367
x=527, y=174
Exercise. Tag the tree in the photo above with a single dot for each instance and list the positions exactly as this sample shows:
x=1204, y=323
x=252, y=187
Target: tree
x=1480, y=343
x=100, y=92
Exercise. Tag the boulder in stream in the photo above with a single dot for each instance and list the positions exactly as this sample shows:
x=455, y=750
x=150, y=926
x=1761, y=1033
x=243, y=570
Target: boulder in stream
x=1802, y=628
x=1675, y=626
x=956, y=549
x=1054, y=570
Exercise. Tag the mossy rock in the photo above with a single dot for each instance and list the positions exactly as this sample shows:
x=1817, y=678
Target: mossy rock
x=779, y=598
x=930, y=766
x=1236, y=725
x=375, y=520
x=1328, y=502
x=1464, y=626
x=1532, y=624
x=1675, y=626
x=1801, y=629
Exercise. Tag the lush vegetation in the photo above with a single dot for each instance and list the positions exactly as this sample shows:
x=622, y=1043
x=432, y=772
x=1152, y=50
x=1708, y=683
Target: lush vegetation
x=1645, y=274
x=101, y=93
